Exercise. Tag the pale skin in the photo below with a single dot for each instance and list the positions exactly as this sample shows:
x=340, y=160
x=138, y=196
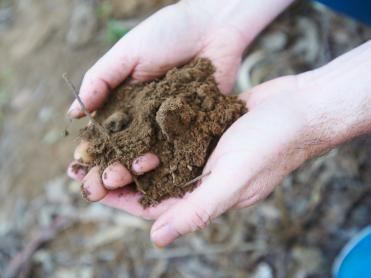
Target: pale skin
x=291, y=119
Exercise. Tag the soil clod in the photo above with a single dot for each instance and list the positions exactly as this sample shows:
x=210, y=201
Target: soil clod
x=179, y=117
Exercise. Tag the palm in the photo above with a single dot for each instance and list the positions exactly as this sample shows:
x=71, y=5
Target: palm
x=228, y=167
x=142, y=56
x=182, y=40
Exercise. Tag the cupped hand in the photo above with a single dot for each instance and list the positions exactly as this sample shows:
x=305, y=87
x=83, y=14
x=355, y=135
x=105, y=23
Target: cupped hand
x=247, y=154
x=290, y=120
x=169, y=38
x=251, y=158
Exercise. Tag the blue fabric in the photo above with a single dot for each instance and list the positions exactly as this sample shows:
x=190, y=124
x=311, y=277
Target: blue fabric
x=355, y=261
x=358, y=9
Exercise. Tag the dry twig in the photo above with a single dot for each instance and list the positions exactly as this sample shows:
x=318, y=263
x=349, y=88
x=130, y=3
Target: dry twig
x=100, y=128
x=20, y=265
x=138, y=185
x=195, y=179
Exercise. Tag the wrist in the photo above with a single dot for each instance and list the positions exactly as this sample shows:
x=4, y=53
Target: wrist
x=336, y=99
x=248, y=18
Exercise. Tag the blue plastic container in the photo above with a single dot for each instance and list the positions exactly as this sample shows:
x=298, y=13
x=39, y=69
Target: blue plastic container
x=355, y=259
x=357, y=9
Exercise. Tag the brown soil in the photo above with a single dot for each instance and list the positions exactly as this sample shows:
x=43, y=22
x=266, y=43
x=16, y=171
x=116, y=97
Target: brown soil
x=179, y=118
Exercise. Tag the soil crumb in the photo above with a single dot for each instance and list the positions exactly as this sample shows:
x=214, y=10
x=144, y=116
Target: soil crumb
x=179, y=117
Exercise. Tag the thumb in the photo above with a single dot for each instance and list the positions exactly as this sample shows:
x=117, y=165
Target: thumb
x=104, y=76
x=217, y=193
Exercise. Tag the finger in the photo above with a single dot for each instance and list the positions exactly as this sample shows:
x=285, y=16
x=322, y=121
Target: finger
x=192, y=212
x=116, y=175
x=111, y=70
x=81, y=153
x=128, y=200
x=145, y=163
x=92, y=186
x=76, y=171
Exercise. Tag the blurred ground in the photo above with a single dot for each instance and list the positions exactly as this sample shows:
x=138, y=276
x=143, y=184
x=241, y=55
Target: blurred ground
x=295, y=233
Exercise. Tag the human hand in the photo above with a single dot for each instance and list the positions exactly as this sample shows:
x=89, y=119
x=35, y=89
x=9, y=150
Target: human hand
x=175, y=35
x=169, y=38
x=290, y=120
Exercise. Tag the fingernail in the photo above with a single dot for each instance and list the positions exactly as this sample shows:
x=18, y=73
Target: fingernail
x=74, y=111
x=164, y=235
x=137, y=166
x=76, y=171
x=105, y=175
x=84, y=192
x=81, y=153
x=116, y=175
x=157, y=247
x=92, y=188
x=145, y=163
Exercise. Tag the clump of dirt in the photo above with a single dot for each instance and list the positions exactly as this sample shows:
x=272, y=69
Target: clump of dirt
x=179, y=118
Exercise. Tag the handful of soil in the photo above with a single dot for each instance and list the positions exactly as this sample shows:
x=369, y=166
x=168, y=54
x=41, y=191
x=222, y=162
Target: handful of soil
x=179, y=117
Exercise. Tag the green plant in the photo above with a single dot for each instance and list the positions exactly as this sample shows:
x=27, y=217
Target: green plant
x=115, y=31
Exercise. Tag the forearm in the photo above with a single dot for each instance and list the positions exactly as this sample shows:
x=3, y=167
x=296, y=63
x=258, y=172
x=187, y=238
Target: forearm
x=250, y=17
x=337, y=98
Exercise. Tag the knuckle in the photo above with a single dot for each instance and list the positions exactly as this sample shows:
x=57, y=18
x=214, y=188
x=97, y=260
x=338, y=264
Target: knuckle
x=141, y=76
x=200, y=218
x=253, y=194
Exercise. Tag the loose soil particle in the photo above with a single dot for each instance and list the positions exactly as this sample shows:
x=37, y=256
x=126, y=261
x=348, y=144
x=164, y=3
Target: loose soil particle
x=179, y=117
